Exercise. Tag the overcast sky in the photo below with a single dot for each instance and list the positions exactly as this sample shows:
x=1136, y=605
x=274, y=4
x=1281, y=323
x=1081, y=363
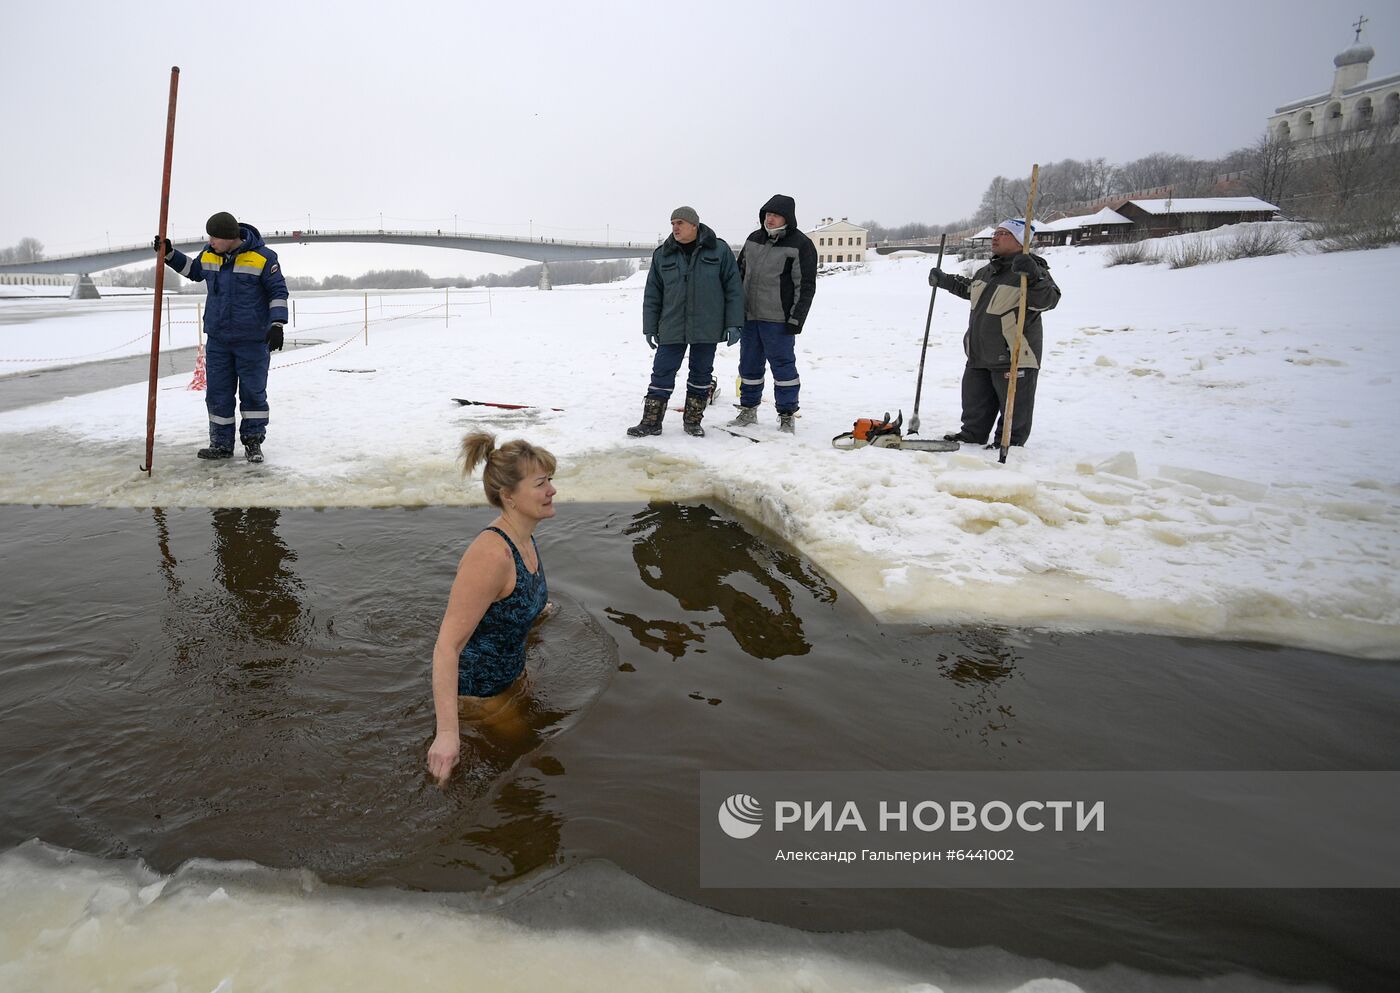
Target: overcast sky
x=585, y=119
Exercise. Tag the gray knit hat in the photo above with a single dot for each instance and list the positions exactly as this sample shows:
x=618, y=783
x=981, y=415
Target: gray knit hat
x=685, y=214
x=223, y=225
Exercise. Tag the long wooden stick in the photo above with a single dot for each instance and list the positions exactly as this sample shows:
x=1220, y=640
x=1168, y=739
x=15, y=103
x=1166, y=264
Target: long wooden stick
x=1020, y=326
x=928, y=323
x=160, y=271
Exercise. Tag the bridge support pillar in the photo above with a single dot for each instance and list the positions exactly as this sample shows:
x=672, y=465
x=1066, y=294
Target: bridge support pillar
x=83, y=288
x=545, y=284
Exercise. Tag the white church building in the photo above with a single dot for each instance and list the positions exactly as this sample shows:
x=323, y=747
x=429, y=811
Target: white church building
x=1352, y=102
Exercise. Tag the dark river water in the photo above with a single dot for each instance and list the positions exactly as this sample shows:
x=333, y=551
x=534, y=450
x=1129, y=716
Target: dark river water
x=253, y=684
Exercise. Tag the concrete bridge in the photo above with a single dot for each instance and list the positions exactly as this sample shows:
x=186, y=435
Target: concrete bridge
x=542, y=250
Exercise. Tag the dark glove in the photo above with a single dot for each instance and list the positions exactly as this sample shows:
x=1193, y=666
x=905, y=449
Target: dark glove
x=731, y=335
x=274, y=338
x=792, y=327
x=1024, y=265
x=650, y=336
x=934, y=275
x=155, y=243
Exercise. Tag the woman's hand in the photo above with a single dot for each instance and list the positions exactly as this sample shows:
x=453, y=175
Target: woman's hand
x=443, y=756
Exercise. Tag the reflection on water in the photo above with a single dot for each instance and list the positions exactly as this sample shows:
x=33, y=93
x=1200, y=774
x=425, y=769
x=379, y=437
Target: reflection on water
x=980, y=673
x=714, y=565
x=256, y=601
x=258, y=712
x=252, y=565
x=275, y=706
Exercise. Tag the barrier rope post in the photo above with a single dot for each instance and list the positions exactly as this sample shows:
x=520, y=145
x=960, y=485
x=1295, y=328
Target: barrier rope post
x=159, y=249
x=198, y=381
x=294, y=311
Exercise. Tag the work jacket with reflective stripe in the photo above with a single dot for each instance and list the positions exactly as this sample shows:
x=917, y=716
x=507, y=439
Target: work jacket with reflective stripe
x=245, y=291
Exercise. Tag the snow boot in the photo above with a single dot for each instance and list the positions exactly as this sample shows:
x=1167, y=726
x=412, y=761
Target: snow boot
x=215, y=452
x=747, y=416
x=252, y=451
x=653, y=409
x=694, y=412
x=785, y=424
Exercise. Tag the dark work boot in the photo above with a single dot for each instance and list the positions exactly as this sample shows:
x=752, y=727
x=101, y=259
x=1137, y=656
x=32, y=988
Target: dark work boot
x=694, y=413
x=785, y=424
x=252, y=451
x=215, y=452
x=653, y=409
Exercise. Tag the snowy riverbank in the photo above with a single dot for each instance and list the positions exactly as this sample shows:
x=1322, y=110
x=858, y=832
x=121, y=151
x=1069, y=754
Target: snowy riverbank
x=1212, y=455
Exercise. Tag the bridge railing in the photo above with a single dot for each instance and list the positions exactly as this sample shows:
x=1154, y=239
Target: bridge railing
x=322, y=234
x=454, y=236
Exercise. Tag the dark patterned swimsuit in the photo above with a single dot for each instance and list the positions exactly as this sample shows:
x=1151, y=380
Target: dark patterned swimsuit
x=495, y=656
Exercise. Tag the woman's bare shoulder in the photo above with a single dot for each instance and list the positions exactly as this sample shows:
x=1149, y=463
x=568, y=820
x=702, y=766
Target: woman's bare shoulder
x=488, y=549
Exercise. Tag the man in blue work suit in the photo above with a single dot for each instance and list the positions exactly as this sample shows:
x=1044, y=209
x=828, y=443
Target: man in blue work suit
x=244, y=314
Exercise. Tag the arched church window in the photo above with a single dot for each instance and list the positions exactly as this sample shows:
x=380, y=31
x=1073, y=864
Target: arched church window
x=1333, y=117
x=1390, y=109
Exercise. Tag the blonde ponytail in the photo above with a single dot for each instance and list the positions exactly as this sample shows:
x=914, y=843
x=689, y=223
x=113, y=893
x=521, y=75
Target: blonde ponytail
x=505, y=466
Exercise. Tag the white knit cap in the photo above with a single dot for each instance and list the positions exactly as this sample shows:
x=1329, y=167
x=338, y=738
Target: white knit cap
x=1016, y=227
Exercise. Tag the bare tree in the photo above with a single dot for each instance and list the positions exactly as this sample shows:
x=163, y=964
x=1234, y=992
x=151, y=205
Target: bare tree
x=1150, y=172
x=29, y=250
x=1353, y=161
x=1083, y=181
x=1268, y=167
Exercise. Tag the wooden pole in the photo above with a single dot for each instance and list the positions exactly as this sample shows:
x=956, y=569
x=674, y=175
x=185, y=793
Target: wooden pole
x=1020, y=326
x=928, y=323
x=160, y=270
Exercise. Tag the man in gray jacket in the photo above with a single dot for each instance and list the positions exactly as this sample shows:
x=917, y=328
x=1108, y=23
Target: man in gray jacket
x=995, y=292
x=693, y=300
x=778, y=265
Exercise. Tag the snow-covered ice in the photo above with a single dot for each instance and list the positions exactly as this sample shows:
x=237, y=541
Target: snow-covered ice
x=74, y=922
x=1213, y=452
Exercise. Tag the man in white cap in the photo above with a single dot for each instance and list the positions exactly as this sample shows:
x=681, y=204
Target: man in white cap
x=995, y=292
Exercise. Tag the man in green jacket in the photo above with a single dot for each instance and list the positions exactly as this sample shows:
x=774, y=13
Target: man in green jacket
x=995, y=292
x=694, y=299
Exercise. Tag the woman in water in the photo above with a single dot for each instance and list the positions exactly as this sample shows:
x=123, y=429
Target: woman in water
x=498, y=594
